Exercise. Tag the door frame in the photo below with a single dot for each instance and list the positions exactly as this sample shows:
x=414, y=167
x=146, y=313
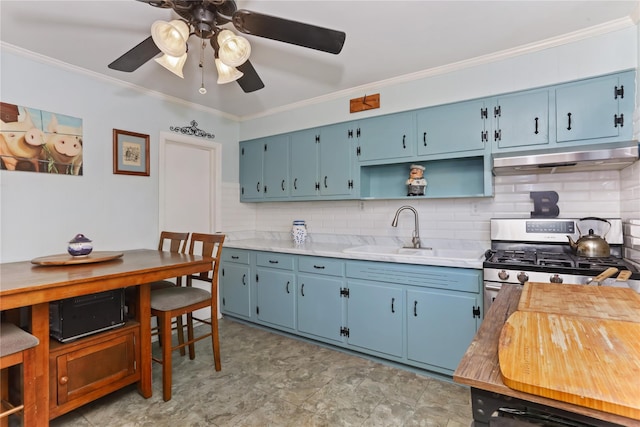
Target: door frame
x=215, y=178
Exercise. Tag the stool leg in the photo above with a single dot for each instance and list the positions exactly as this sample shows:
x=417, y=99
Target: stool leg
x=29, y=388
x=4, y=394
x=215, y=340
x=192, y=348
x=165, y=318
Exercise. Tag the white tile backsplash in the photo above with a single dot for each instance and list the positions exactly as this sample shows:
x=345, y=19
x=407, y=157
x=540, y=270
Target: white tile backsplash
x=600, y=193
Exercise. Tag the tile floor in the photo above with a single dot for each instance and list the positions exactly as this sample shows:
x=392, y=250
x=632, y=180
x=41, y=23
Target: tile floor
x=271, y=380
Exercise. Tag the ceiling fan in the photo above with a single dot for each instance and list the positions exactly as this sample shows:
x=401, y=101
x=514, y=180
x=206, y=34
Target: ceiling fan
x=204, y=19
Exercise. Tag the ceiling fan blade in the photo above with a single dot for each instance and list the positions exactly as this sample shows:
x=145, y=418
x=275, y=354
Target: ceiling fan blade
x=136, y=57
x=287, y=31
x=250, y=82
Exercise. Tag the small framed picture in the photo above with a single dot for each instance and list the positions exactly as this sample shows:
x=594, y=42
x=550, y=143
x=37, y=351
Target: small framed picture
x=130, y=153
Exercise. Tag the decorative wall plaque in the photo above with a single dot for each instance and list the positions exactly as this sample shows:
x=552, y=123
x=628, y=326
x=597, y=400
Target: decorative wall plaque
x=192, y=130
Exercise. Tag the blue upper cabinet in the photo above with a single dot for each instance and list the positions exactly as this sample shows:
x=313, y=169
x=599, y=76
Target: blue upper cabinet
x=385, y=137
x=276, y=167
x=322, y=163
x=453, y=128
x=251, y=183
x=304, y=163
x=335, y=152
x=521, y=119
x=596, y=110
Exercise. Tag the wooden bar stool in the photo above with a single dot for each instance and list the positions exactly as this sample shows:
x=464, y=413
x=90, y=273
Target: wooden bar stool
x=17, y=347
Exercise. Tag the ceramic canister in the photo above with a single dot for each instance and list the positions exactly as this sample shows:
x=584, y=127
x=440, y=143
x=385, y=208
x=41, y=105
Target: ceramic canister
x=299, y=232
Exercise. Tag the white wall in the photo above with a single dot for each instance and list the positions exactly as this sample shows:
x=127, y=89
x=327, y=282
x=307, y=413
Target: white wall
x=39, y=213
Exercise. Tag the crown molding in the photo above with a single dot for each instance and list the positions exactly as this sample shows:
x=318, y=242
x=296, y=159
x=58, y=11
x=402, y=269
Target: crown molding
x=575, y=36
x=111, y=80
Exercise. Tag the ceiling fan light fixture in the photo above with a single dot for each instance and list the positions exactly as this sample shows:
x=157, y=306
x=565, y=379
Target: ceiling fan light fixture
x=173, y=63
x=170, y=37
x=233, y=50
x=226, y=74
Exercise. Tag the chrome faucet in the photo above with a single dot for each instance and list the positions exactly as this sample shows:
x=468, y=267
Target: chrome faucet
x=415, y=239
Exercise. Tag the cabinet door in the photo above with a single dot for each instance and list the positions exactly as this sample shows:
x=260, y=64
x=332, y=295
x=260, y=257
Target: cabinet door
x=375, y=315
x=304, y=163
x=386, y=137
x=251, y=183
x=275, y=293
x=440, y=326
x=276, y=166
x=586, y=110
x=522, y=119
x=452, y=128
x=320, y=307
x=92, y=367
x=335, y=161
x=235, y=284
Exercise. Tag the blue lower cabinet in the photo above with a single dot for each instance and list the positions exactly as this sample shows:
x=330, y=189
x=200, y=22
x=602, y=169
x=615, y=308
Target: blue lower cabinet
x=320, y=307
x=440, y=326
x=275, y=297
x=235, y=285
x=375, y=317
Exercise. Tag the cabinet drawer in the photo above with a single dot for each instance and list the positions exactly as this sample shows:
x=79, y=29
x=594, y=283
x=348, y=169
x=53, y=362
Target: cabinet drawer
x=235, y=255
x=275, y=260
x=457, y=279
x=318, y=265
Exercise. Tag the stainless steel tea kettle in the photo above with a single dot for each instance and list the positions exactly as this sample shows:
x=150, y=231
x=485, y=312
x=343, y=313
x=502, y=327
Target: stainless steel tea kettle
x=591, y=245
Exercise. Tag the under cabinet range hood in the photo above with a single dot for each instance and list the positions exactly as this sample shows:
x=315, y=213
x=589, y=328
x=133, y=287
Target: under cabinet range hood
x=581, y=159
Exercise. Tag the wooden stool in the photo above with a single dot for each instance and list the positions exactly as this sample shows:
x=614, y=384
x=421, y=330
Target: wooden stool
x=18, y=347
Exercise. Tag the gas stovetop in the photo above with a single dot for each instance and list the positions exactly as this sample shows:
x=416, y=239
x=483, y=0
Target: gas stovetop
x=542, y=245
x=545, y=260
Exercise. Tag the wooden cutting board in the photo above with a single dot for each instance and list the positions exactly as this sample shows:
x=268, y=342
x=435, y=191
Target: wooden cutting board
x=603, y=302
x=587, y=361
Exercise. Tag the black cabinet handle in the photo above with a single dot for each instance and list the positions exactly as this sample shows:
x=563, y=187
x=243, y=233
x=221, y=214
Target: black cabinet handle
x=319, y=267
x=295, y=184
x=287, y=288
x=424, y=139
x=302, y=290
x=244, y=280
x=569, y=121
x=415, y=308
x=258, y=187
x=393, y=300
x=404, y=144
x=536, y=132
x=235, y=257
x=273, y=261
x=282, y=185
x=325, y=181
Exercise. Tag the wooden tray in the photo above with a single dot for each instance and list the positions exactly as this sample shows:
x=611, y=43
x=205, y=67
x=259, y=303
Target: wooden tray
x=604, y=302
x=587, y=361
x=66, y=259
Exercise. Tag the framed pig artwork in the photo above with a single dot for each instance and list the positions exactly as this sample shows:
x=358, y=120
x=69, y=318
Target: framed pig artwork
x=34, y=140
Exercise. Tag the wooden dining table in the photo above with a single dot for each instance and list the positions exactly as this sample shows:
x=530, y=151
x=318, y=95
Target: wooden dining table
x=25, y=284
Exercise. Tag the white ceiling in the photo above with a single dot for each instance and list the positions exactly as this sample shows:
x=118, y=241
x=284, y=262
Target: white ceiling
x=385, y=39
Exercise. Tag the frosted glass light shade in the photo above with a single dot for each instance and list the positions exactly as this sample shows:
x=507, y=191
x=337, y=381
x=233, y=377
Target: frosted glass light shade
x=170, y=37
x=233, y=50
x=173, y=63
x=227, y=74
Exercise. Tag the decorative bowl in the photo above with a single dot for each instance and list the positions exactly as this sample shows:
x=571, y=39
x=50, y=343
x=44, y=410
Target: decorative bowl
x=80, y=246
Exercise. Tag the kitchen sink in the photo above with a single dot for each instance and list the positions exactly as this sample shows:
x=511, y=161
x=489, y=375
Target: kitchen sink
x=411, y=252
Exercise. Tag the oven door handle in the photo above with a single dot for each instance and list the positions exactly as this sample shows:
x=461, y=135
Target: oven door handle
x=492, y=287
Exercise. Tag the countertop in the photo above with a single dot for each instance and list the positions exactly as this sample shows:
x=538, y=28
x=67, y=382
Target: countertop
x=466, y=254
x=479, y=367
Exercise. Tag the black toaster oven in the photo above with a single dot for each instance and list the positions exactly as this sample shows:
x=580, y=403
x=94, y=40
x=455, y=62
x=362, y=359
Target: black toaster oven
x=76, y=317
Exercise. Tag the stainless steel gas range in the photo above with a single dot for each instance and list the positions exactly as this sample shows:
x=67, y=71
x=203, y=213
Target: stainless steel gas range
x=538, y=250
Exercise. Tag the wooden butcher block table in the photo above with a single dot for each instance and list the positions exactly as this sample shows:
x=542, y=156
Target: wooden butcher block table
x=575, y=343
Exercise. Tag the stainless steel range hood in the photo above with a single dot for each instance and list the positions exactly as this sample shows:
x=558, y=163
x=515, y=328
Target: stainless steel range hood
x=581, y=159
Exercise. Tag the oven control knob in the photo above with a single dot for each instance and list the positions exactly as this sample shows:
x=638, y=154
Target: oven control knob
x=523, y=277
x=555, y=279
x=503, y=275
